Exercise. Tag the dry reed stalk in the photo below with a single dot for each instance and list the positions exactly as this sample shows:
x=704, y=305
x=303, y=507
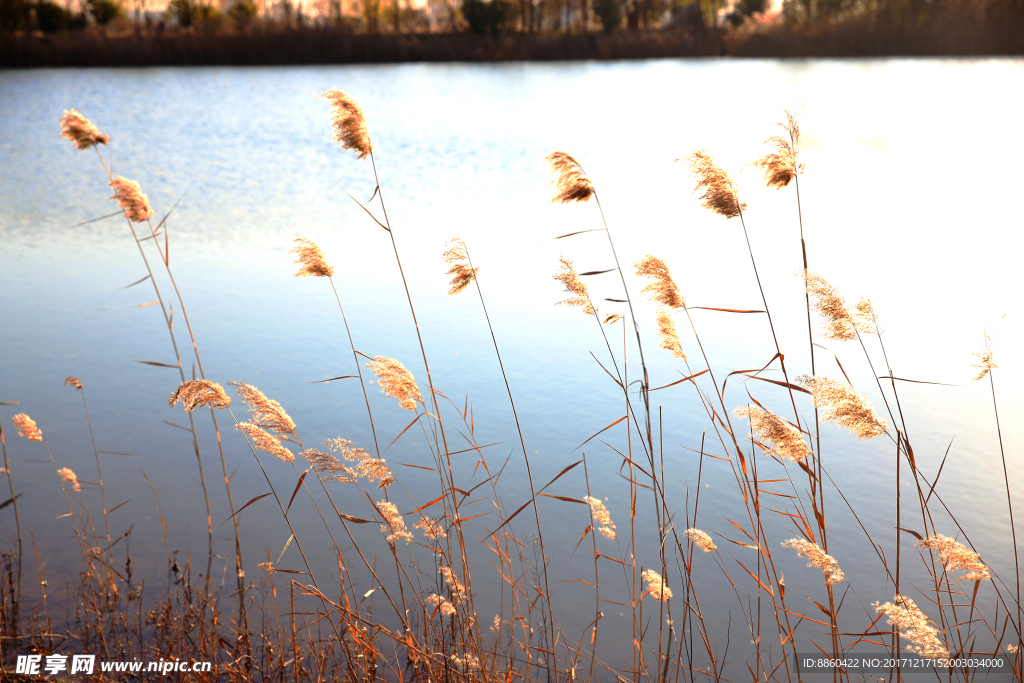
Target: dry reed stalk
x=310, y=259
x=396, y=381
x=81, y=130
x=567, y=177
x=955, y=556
x=461, y=273
x=349, y=123
x=787, y=441
x=719, y=193
x=816, y=557
x=844, y=406
x=914, y=626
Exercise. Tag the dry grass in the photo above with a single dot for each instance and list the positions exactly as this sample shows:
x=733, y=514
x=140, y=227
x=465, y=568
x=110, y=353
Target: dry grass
x=402, y=606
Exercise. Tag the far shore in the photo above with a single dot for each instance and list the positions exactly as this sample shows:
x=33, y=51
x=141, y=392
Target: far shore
x=329, y=45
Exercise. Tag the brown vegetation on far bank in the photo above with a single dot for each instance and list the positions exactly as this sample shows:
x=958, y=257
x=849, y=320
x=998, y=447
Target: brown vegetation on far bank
x=328, y=45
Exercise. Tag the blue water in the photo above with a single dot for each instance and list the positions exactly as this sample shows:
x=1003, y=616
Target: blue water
x=907, y=199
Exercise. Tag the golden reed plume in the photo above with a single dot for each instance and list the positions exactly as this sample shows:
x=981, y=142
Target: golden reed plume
x=73, y=381
x=267, y=416
x=662, y=288
x=368, y=467
x=955, y=556
x=986, y=363
x=67, y=475
x=349, y=124
x=310, y=259
x=656, y=587
x=130, y=198
x=457, y=257
x=27, y=428
x=816, y=557
x=719, y=193
x=396, y=382
x=570, y=182
x=844, y=406
x=395, y=529
x=454, y=585
x=701, y=539
x=781, y=166
x=566, y=274
x=787, y=441
x=198, y=393
x=914, y=626
x=601, y=516
x=441, y=605
x=81, y=130
x=669, y=337
x=432, y=528
x=841, y=324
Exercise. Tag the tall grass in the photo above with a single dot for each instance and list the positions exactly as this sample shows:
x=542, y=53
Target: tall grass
x=411, y=600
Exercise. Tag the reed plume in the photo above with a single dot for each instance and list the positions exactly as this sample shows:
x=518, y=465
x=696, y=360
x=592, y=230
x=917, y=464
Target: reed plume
x=787, y=441
x=601, y=516
x=656, y=587
x=130, y=198
x=396, y=382
x=440, y=604
x=458, y=258
x=781, y=165
x=267, y=414
x=719, y=193
x=395, y=529
x=454, y=585
x=816, y=557
x=844, y=406
x=349, y=124
x=368, y=467
x=701, y=539
x=432, y=529
x=669, y=337
x=914, y=626
x=566, y=274
x=268, y=567
x=73, y=381
x=67, y=475
x=265, y=441
x=310, y=259
x=841, y=324
x=81, y=130
x=662, y=288
x=986, y=363
x=198, y=393
x=955, y=556
x=26, y=427
x=570, y=182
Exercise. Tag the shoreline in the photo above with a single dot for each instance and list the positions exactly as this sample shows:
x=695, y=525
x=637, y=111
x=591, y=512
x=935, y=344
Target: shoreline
x=330, y=45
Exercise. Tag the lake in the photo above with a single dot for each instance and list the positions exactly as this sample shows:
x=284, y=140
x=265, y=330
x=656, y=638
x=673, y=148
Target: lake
x=912, y=171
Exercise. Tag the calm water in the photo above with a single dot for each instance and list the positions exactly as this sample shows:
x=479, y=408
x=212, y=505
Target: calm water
x=909, y=199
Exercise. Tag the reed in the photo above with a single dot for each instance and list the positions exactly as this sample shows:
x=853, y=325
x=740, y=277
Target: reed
x=407, y=591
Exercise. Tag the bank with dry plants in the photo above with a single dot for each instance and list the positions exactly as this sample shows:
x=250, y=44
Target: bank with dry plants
x=402, y=605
